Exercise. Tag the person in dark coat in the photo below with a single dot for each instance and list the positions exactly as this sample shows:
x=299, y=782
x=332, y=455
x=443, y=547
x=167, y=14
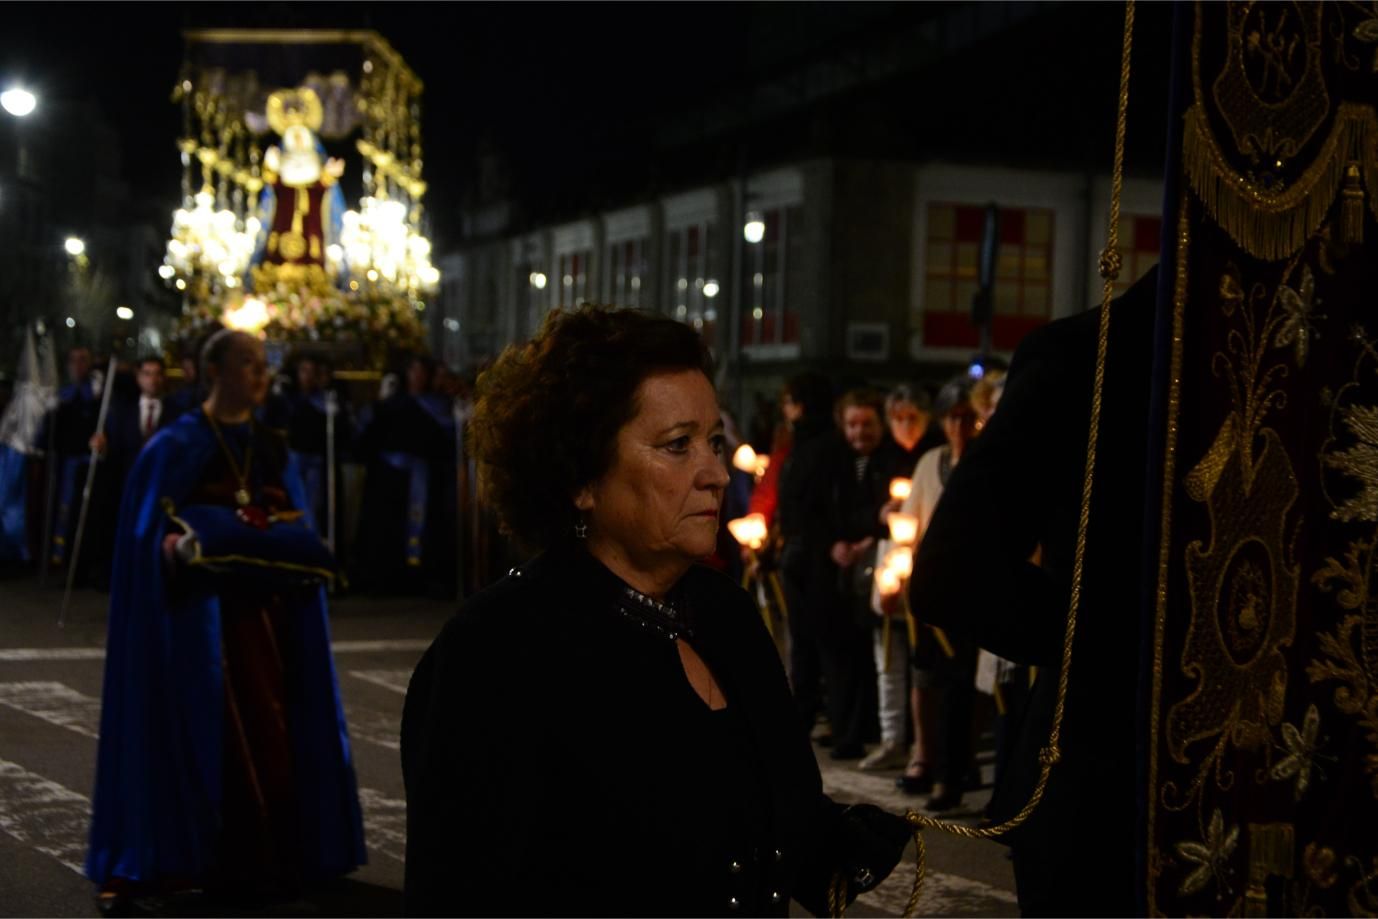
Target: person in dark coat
x=401, y=445
x=134, y=417
x=807, y=405
x=1017, y=490
x=849, y=485
x=683, y=787
x=307, y=436
x=69, y=432
x=189, y=396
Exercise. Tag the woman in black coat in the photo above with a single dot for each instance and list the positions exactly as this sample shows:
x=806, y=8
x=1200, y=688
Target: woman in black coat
x=608, y=729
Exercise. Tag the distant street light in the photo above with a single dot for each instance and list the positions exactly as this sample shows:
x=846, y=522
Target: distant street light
x=124, y=312
x=755, y=229
x=75, y=246
x=18, y=102
x=71, y=323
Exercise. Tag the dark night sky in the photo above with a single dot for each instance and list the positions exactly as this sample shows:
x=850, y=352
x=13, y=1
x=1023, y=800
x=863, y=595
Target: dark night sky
x=555, y=87
x=518, y=76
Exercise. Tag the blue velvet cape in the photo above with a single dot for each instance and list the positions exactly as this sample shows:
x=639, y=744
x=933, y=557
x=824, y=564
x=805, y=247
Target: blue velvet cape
x=158, y=774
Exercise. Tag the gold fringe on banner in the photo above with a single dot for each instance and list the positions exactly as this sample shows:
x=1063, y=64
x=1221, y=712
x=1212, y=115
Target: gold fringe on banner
x=1274, y=226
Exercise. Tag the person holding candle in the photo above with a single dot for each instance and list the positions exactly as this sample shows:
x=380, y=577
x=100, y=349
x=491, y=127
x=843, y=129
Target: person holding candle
x=684, y=787
x=942, y=681
x=911, y=434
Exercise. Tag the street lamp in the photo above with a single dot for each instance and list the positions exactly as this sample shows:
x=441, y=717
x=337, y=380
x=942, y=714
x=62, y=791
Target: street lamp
x=124, y=312
x=75, y=246
x=755, y=229
x=18, y=102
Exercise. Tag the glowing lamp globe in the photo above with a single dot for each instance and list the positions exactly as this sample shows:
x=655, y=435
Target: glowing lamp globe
x=904, y=529
x=18, y=102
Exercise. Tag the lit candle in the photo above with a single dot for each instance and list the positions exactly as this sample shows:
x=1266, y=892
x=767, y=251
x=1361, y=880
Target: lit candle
x=904, y=529
x=900, y=488
x=900, y=560
x=887, y=582
x=762, y=464
x=745, y=458
x=749, y=531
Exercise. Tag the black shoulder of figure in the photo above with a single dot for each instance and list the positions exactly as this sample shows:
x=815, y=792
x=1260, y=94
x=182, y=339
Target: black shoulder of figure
x=505, y=606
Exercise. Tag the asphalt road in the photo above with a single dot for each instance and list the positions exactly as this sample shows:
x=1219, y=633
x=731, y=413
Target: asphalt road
x=50, y=683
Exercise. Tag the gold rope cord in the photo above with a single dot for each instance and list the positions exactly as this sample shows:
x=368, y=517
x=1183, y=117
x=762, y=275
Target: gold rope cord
x=1110, y=264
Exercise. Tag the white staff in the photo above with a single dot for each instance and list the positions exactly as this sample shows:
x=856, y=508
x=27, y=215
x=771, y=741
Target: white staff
x=109, y=387
x=332, y=407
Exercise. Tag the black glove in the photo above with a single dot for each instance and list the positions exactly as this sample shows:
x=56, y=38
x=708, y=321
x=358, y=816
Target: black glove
x=872, y=844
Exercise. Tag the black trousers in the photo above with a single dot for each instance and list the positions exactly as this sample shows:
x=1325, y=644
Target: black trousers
x=849, y=666
x=805, y=668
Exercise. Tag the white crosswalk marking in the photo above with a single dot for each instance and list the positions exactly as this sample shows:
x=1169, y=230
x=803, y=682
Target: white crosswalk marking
x=33, y=808
x=373, y=727
x=385, y=823
x=44, y=814
x=396, y=680
x=23, y=655
x=54, y=703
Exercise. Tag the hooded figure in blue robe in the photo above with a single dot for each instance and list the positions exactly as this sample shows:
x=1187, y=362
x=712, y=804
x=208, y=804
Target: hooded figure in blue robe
x=223, y=741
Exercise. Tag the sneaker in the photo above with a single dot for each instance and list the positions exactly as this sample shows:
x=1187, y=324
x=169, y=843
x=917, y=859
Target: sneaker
x=886, y=756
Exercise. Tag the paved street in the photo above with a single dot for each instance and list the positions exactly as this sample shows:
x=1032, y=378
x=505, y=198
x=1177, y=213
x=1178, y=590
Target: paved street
x=49, y=718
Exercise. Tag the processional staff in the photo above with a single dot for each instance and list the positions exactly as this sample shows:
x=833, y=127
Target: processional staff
x=109, y=387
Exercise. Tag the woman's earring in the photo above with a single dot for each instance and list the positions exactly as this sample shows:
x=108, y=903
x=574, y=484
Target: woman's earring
x=581, y=529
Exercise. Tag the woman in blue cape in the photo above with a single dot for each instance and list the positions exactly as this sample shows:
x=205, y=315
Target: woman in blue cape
x=224, y=760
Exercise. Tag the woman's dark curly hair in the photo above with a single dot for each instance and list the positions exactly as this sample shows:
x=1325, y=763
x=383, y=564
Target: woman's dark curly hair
x=547, y=412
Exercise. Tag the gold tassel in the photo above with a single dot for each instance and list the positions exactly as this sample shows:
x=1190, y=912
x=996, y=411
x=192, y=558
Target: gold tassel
x=1352, y=208
x=1274, y=226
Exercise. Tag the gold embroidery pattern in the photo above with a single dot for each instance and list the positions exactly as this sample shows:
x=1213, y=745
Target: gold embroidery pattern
x=1349, y=654
x=1179, y=301
x=1263, y=765
x=1272, y=97
x=1243, y=581
x=1271, y=91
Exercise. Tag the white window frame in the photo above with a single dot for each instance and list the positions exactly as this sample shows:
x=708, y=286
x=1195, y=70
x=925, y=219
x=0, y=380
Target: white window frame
x=573, y=239
x=779, y=189
x=1060, y=193
x=532, y=251
x=632, y=225
x=693, y=209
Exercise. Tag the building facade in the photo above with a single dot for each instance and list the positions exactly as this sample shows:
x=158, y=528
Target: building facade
x=865, y=269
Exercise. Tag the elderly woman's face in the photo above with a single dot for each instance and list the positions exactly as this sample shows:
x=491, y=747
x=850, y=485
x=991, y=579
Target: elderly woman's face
x=658, y=503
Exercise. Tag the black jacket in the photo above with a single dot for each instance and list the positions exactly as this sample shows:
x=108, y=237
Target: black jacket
x=605, y=808
x=1017, y=487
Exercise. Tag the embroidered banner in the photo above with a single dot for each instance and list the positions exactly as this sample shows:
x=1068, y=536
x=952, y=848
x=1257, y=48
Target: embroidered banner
x=1262, y=779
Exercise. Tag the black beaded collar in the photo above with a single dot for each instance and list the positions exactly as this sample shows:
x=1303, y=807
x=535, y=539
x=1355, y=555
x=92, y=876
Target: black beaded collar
x=665, y=620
